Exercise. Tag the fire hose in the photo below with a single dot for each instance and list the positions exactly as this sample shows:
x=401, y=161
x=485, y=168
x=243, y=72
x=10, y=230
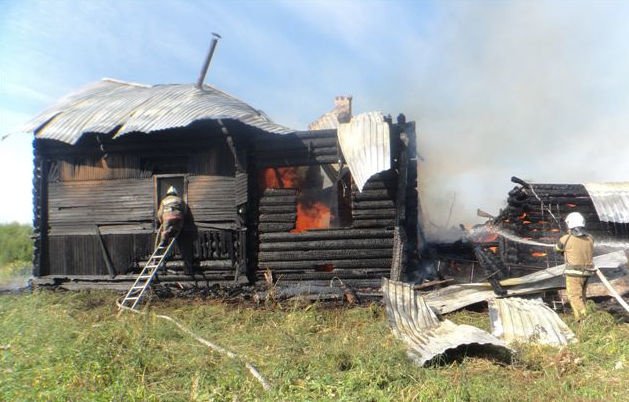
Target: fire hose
x=611, y=290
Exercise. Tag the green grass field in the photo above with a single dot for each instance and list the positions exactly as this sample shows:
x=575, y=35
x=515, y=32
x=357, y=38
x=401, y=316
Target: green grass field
x=72, y=346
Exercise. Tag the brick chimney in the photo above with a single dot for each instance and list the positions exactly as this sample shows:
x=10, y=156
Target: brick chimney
x=342, y=113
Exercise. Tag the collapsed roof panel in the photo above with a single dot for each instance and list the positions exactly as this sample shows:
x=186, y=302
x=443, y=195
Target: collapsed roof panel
x=121, y=107
x=521, y=320
x=366, y=145
x=427, y=337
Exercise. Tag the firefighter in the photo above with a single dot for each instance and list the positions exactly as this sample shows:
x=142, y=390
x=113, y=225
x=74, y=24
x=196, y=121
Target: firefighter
x=171, y=214
x=577, y=247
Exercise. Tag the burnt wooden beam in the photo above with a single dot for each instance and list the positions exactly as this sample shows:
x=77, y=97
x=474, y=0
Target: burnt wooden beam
x=379, y=263
x=373, y=223
x=278, y=217
x=328, y=234
x=326, y=244
x=322, y=254
x=267, y=227
x=105, y=254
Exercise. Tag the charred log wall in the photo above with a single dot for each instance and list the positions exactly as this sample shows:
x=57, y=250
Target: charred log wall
x=360, y=252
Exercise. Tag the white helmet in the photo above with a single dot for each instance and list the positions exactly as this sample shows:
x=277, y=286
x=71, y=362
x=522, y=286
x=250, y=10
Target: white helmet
x=172, y=191
x=575, y=220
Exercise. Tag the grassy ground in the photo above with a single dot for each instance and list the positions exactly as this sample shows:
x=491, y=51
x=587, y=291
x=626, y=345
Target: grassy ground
x=72, y=346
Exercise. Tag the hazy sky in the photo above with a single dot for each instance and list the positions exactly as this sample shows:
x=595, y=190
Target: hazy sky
x=539, y=89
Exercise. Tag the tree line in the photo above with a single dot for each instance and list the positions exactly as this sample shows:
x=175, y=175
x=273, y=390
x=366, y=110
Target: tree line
x=15, y=243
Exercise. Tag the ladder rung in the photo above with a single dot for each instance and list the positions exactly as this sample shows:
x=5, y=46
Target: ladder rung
x=158, y=256
x=144, y=276
x=138, y=287
x=132, y=298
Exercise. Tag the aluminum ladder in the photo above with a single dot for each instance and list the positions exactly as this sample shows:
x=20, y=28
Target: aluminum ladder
x=142, y=282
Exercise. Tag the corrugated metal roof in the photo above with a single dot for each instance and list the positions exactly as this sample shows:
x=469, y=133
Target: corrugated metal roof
x=611, y=200
x=426, y=336
x=365, y=142
x=523, y=320
x=124, y=107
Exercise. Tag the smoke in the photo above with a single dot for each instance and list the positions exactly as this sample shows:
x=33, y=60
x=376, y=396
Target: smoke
x=532, y=89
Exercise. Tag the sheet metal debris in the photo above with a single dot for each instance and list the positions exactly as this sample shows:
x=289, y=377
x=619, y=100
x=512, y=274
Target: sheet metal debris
x=454, y=297
x=523, y=320
x=427, y=337
x=366, y=145
x=122, y=107
x=611, y=201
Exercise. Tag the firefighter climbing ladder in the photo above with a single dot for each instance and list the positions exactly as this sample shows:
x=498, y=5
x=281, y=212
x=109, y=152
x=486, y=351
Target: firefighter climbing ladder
x=142, y=282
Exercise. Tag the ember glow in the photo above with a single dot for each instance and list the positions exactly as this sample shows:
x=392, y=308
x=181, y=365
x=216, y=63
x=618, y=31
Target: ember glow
x=538, y=254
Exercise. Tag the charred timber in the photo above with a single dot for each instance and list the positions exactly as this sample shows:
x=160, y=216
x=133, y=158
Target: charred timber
x=278, y=217
x=383, y=264
x=329, y=234
x=374, y=223
x=304, y=255
x=298, y=244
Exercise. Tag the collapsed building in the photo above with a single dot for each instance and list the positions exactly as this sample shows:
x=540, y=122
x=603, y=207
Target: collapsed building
x=300, y=206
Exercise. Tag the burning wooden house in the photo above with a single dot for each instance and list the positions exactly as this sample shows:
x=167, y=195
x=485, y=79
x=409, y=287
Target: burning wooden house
x=301, y=205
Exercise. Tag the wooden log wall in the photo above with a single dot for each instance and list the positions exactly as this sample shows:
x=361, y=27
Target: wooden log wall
x=90, y=189
x=362, y=250
x=375, y=206
x=537, y=212
x=212, y=199
x=298, y=149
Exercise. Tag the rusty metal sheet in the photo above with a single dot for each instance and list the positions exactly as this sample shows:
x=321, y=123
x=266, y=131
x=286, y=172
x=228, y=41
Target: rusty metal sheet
x=114, y=106
x=523, y=320
x=426, y=336
x=366, y=145
x=611, y=201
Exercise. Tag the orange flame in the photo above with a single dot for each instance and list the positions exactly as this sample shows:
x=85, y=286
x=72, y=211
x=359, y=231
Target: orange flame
x=571, y=205
x=314, y=215
x=282, y=177
x=538, y=254
x=493, y=249
x=522, y=216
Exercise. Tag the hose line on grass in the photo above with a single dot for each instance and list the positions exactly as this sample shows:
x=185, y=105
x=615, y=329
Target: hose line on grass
x=209, y=344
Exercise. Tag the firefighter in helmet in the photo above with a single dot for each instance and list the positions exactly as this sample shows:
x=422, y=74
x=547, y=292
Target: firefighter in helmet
x=171, y=215
x=577, y=247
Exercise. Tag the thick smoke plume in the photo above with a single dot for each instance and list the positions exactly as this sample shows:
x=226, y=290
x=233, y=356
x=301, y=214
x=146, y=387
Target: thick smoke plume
x=532, y=89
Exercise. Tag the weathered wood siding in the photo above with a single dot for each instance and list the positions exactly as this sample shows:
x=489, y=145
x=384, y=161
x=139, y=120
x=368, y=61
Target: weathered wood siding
x=108, y=187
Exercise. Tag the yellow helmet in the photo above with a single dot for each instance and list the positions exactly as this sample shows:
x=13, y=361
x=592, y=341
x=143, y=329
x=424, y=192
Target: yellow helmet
x=172, y=191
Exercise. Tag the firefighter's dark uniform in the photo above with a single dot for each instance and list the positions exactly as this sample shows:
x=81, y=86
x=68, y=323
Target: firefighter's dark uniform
x=578, y=249
x=171, y=215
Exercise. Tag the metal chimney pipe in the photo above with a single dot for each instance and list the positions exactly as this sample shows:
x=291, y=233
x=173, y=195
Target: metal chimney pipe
x=206, y=65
